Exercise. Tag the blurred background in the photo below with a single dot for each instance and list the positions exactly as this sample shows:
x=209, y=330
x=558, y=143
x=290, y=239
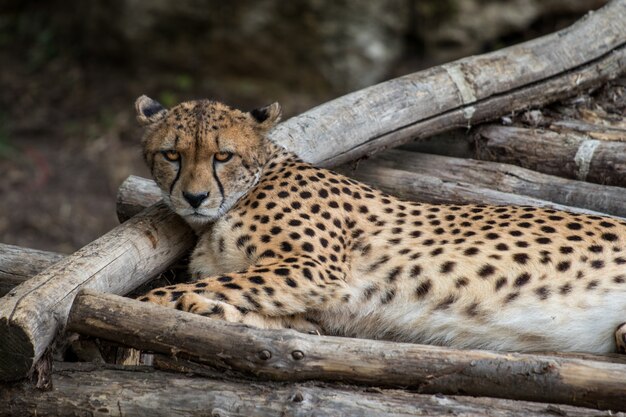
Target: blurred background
x=70, y=71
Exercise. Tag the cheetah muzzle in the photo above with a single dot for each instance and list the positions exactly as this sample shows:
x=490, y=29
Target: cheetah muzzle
x=283, y=244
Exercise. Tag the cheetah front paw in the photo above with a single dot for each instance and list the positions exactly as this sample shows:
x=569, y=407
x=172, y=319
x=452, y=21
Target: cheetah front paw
x=302, y=325
x=620, y=338
x=196, y=304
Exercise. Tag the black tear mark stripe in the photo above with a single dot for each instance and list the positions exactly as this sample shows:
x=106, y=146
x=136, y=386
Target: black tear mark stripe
x=180, y=168
x=180, y=164
x=217, y=180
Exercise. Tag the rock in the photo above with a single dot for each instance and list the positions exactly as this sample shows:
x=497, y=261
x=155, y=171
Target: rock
x=451, y=29
x=336, y=45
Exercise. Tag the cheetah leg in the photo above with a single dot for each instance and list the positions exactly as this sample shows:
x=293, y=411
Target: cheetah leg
x=269, y=295
x=197, y=304
x=620, y=338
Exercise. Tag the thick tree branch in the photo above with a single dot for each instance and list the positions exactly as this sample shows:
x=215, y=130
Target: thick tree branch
x=286, y=355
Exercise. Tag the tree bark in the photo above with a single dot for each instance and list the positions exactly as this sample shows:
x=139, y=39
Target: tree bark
x=87, y=389
x=287, y=355
x=431, y=189
x=462, y=93
x=35, y=311
x=507, y=178
x=571, y=155
x=19, y=264
x=134, y=195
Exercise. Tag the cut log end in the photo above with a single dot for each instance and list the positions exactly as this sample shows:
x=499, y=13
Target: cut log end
x=16, y=352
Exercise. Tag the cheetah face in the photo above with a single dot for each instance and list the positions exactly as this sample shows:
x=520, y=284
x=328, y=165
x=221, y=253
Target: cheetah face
x=203, y=154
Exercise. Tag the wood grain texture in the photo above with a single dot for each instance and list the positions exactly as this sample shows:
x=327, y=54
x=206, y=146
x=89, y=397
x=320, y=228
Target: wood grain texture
x=507, y=178
x=87, y=389
x=34, y=312
x=462, y=93
x=430, y=189
x=18, y=264
x=286, y=355
x=134, y=195
x=570, y=155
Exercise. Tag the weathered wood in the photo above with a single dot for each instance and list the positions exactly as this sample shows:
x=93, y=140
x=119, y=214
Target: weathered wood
x=19, y=264
x=430, y=189
x=35, y=311
x=291, y=356
x=87, y=389
x=134, y=194
x=508, y=178
x=463, y=92
x=569, y=155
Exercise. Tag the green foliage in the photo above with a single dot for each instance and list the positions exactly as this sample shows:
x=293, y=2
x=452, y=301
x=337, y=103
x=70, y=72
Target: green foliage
x=184, y=82
x=180, y=85
x=168, y=98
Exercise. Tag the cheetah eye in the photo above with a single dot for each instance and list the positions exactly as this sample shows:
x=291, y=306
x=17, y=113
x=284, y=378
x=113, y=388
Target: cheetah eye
x=223, y=156
x=171, y=155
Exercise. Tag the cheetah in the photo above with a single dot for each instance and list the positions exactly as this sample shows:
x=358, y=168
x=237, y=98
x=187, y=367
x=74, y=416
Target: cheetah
x=284, y=244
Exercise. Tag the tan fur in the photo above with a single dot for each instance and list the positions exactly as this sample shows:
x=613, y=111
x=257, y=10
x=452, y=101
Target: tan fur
x=290, y=245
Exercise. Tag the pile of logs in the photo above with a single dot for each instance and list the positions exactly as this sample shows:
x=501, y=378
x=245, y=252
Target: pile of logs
x=534, y=155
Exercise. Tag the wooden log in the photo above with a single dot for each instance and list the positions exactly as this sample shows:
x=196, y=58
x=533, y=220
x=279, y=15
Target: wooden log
x=507, y=178
x=430, y=189
x=134, y=195
x=35, y=311
x=287, y=355
x=569, y=155
x=19, y=264
x=463, y=92
x=88, y=389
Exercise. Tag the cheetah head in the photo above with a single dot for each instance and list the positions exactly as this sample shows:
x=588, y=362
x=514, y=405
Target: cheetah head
x=203, y=154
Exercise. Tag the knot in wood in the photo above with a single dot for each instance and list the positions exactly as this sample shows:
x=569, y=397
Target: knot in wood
x=264, y=354
x=297, y=355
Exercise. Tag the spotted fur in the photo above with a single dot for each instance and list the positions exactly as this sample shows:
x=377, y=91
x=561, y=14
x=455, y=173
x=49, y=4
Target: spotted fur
x=285, y=244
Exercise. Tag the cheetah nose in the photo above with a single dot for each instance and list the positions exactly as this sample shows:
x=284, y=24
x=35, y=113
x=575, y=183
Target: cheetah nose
x=195, y=200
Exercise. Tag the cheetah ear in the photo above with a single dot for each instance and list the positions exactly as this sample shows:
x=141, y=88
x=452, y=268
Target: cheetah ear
x=149, y=111
x=267, y=116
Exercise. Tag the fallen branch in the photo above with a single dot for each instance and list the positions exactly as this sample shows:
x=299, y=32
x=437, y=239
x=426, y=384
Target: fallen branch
x=569, y=155
x=134, y=195
x=87, y=389
x=19, y=264
x=464, y=92
x=35, y=311
x=287, y=355
x=430, y=189
x=507, y=178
